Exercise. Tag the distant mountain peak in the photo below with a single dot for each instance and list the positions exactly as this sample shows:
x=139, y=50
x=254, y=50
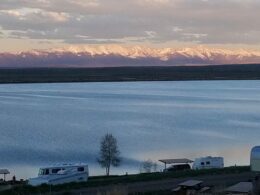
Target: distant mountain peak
x=140, y=51
x=118, y=55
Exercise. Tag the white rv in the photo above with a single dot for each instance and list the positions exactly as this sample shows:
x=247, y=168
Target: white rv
x=60, y=174
x=255, y=159
x=208, y=163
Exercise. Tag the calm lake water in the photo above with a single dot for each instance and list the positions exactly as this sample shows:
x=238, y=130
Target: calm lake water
x=42, y=124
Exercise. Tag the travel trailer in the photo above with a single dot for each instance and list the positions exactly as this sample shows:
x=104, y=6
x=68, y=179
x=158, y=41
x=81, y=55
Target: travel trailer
x=255, y=159
x=208, y=163
x=59, y=174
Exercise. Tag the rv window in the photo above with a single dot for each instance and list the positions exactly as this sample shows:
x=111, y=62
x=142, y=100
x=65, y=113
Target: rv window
x=80, y=169
x=55, y=171
x=208, y=163
x=44, y=172
x=41, y=172
x=202, y=163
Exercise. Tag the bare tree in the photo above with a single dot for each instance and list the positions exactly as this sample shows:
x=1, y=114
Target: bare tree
x=148, y=166
x=109, y=153
x=155, y=166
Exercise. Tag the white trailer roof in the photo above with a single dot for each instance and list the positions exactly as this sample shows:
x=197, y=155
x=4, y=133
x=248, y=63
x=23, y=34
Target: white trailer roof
x=63, y=165
x=173, y=161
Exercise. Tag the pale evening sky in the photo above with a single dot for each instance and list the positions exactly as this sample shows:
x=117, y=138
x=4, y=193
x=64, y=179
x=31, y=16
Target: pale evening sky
x=41, y=24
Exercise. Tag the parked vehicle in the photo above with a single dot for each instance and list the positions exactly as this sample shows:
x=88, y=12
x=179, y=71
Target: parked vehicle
x=255, y=159
x=59, y=174
x=208, y=163
x=178, y=167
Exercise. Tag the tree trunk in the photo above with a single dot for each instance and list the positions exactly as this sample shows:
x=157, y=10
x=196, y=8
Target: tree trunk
x=108, y=170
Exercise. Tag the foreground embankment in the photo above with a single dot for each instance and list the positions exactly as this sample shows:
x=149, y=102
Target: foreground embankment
x=141, y=183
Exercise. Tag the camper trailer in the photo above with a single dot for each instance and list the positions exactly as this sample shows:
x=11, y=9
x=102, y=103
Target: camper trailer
x=255, y=159
x=60, y=174
x=208, y=163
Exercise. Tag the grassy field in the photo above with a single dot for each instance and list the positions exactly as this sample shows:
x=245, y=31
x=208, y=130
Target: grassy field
x=172, y=73
x=112, y=180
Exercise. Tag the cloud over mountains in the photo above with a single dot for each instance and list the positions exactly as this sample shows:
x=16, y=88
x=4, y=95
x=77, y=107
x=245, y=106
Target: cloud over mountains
x=114, y=55
x=138, y=21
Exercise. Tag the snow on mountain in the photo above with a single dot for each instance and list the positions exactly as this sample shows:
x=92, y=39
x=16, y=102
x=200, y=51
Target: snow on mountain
x=116, y=55
x=163, y=53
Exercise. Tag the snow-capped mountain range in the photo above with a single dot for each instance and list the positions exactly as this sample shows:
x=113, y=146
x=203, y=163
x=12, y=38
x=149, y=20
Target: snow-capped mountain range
x=115, y=55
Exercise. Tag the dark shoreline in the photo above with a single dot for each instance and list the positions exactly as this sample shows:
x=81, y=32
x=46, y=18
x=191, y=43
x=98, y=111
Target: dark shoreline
x=114, y=74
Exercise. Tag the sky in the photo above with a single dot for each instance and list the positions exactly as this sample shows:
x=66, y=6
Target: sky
x=42, y=24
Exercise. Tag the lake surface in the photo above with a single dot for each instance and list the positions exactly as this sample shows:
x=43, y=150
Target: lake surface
x=43, y=124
